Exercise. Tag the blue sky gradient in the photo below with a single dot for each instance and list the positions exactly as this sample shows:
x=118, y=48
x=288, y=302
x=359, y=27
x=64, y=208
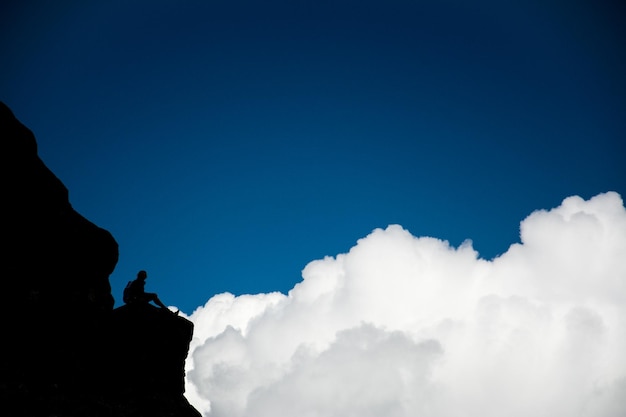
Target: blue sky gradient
x=227, y=144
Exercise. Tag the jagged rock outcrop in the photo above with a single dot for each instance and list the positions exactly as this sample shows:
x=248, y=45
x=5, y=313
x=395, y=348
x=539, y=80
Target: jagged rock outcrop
x=59, y=327
x=149, y=345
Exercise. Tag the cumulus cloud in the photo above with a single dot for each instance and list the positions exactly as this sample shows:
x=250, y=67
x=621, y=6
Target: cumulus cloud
x=409, y=326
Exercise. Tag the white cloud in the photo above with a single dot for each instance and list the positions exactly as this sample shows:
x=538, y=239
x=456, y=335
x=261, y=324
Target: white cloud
x=407, y=326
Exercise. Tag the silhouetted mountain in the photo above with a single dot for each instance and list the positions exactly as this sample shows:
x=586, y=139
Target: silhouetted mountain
x=66, y=351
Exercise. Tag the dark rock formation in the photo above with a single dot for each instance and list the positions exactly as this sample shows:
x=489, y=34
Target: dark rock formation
x=149, y=345
x=61, y=338
x=143, y=372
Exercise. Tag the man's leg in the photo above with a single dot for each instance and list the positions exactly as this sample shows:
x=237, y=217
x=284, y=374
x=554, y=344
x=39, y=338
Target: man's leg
x=155, y=299
x=150, y=296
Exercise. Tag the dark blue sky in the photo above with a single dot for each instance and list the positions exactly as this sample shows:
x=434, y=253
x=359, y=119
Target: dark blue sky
x=227, y=144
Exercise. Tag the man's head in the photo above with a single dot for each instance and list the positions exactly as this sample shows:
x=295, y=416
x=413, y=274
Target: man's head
x=142, y=274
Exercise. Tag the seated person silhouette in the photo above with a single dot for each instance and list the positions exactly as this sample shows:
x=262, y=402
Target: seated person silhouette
x=135, y=292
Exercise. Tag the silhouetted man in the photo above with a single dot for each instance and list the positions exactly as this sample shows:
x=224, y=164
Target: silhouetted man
x=135, y=292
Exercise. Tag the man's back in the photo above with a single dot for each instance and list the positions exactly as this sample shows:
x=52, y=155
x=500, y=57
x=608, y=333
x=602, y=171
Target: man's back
x=134, y=291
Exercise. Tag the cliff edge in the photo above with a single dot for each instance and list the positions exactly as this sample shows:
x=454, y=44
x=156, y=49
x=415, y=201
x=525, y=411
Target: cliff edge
x=66, y=351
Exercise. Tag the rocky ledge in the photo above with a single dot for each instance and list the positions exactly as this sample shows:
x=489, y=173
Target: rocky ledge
x=66, y=351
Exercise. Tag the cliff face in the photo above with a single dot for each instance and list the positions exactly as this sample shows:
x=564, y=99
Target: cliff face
x=65, y=347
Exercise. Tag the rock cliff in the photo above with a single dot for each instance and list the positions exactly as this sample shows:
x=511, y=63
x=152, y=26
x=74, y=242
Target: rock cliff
x=66, y=351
